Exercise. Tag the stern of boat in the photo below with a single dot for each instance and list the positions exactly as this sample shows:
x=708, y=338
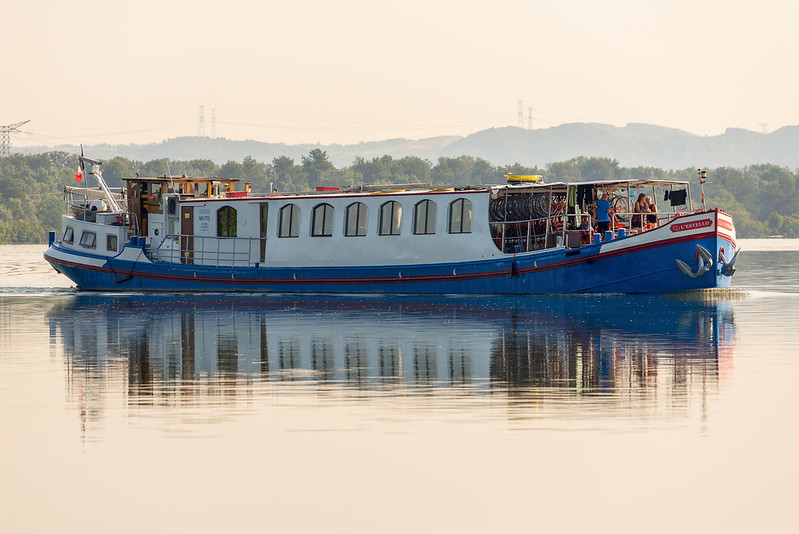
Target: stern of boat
x=81, y=250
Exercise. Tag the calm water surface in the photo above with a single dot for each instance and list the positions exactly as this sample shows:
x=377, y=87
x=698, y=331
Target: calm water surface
x=204, y=413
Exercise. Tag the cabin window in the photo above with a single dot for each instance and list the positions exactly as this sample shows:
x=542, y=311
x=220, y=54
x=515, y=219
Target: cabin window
x=68, y=235
x=289, y=221
x=356, y=220
x=390, y=218
x=322, y=221
x=424, y=220
x=111, y=242
x=88, y=239
x=460, y=216
x=226, y=222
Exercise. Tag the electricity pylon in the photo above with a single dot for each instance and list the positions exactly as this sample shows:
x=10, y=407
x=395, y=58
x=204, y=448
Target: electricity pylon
x=5, y=137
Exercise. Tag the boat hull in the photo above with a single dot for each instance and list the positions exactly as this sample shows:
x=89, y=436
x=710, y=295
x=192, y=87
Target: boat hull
x=630, y=265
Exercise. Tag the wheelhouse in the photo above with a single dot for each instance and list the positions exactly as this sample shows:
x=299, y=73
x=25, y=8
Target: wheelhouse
x=146, y=196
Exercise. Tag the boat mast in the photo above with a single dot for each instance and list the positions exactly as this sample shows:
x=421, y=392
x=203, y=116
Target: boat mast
x=702, y=179
x=95, y=170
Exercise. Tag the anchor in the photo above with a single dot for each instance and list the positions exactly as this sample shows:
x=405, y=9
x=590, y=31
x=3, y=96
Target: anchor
x=728, y=266
x=705, y=263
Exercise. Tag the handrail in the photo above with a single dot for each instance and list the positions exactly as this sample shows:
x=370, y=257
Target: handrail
x=77, y=208
x=662, y=217
x=80, y=208
x=534, y=234
x=209, y=250
x=542, y=233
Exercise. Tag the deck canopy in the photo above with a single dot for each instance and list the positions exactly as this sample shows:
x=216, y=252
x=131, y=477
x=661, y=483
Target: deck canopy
x=623, y=192
x=609, y=185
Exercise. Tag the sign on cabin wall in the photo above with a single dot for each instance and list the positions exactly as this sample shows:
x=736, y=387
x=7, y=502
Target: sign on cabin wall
x=204, y=217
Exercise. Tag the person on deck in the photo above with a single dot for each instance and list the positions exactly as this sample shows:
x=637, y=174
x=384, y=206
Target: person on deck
x=640, y=207
x=651, y=209
x=602, y=213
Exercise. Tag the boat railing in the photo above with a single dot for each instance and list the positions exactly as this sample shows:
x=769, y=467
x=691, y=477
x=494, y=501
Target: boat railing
x=529, y=234
x=639, y=222
x=567, y=229
x=211, y=251
x=133, y=221
x=81, y=205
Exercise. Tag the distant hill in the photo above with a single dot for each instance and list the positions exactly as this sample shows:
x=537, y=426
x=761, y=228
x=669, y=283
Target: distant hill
x=632, y=145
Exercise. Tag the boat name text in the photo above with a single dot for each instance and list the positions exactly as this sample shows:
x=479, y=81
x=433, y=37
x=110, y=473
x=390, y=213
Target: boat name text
x=724, y=223
x=693, y=225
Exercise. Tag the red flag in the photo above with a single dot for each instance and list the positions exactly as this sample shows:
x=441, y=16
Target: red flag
x=79, y=174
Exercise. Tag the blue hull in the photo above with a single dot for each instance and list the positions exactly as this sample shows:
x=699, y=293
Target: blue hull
x=642, y=268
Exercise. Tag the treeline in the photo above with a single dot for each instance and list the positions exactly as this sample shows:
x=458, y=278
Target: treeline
x=763, y=199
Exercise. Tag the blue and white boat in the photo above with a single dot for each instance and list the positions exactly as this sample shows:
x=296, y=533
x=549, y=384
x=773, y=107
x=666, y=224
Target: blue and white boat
x=525, y=236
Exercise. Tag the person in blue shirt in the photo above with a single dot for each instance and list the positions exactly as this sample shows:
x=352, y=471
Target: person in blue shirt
x=602, y=213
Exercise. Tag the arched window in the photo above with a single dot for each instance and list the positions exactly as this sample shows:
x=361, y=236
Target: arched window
x=460, y=216
x=322, y=221
x=356, y=220
x=289, y=221
x=424, y=219
x=390, y=218
x=226, y=222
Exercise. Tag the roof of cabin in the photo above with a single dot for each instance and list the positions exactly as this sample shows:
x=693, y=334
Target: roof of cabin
x=182, y=178
x=605, y=184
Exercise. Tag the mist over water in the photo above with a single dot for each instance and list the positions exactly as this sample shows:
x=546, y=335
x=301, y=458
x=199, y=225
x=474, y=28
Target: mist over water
x=361, y=413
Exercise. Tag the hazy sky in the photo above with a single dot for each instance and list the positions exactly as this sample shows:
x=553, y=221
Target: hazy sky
x=347, y=71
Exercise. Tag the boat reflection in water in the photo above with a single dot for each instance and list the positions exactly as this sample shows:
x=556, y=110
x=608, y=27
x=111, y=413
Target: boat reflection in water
x=613, y=351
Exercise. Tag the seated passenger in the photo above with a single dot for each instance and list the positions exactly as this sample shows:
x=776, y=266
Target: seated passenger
x=640, y=207
x=652, y=209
